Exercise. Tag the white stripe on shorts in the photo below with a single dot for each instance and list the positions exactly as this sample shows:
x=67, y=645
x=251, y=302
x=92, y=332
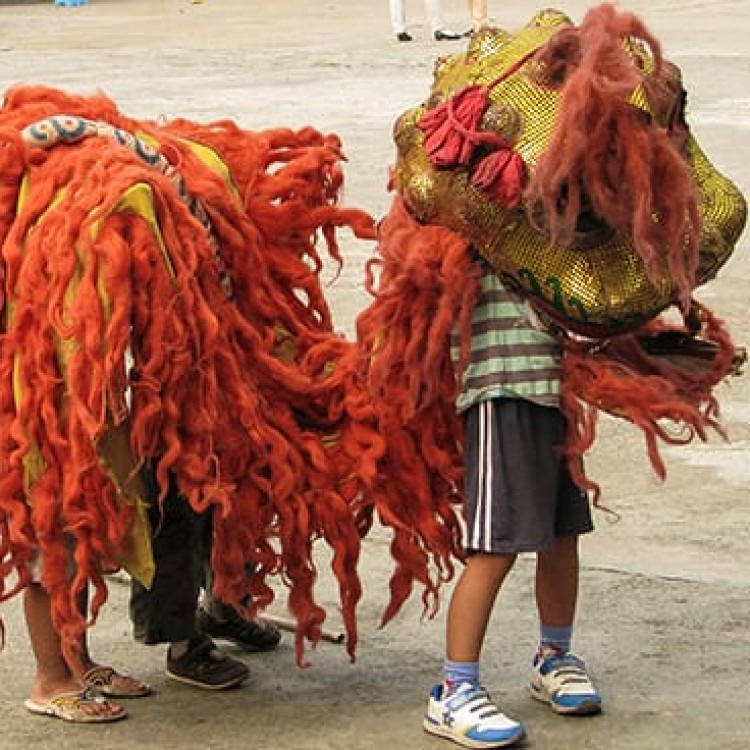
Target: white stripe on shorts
x=481, y=538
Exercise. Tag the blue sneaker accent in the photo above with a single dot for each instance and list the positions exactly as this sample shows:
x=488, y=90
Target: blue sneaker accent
x=561, y=681
x=468, y=717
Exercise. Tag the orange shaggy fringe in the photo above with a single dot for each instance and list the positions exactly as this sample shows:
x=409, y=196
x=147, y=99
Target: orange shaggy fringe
x=606, y=155
x=256, y=405
x=261, y=411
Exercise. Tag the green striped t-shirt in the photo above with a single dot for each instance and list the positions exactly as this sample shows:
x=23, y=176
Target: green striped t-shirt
x=510, y=357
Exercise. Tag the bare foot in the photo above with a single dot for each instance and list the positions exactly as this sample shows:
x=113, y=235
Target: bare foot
x=78, y=707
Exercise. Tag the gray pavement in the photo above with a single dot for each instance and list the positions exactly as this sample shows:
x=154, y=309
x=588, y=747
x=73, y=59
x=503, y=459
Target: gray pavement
x=665, y=592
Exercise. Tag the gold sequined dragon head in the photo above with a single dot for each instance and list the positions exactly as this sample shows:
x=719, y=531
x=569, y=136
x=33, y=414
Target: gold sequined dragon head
x=563, y=154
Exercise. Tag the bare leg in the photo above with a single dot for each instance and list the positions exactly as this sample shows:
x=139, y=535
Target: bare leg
x=478, y=12
x=472, y=602
x=53, y=676
x=564, y=684
x=105, y=679
x=461, y=704
x=557, y=582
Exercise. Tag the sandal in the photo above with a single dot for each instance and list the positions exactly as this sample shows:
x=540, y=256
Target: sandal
x=111, y=683
x=80, y=708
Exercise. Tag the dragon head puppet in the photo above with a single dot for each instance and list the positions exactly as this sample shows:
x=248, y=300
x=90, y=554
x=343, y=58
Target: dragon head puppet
x=563, y=155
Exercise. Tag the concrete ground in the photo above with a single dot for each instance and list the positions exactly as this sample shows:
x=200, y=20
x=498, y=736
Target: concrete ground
x=665, y=592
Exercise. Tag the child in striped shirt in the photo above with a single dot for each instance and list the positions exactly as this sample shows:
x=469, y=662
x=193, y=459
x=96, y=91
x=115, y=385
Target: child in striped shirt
x=519, y=498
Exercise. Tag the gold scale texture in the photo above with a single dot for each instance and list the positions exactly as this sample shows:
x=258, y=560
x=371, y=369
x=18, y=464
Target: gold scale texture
x=598, y=285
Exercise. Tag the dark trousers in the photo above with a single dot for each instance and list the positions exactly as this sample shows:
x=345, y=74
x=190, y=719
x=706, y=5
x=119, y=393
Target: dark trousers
x=181, y=539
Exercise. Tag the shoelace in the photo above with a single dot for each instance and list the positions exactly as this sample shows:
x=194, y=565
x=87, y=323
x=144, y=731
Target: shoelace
x=476, y=700
x=566, y=671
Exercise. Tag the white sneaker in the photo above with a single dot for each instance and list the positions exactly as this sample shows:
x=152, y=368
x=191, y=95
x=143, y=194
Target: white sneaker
x=562, y=681
x=468, y=717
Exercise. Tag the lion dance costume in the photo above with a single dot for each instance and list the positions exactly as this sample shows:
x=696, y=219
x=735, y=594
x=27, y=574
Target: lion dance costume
x=161, y=305
x=563, y=156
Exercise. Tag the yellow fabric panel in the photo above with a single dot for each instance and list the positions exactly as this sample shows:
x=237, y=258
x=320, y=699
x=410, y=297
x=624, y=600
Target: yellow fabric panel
x=113, y=448
x=212, y=160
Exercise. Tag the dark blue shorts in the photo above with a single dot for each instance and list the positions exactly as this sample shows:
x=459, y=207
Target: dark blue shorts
x=519, y=493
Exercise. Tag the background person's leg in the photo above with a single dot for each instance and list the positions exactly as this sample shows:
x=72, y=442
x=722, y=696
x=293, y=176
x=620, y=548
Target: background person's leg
x=166, y=611
x=440, y=31
x=397, y=10
x=478, y=13
x=223, y=622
